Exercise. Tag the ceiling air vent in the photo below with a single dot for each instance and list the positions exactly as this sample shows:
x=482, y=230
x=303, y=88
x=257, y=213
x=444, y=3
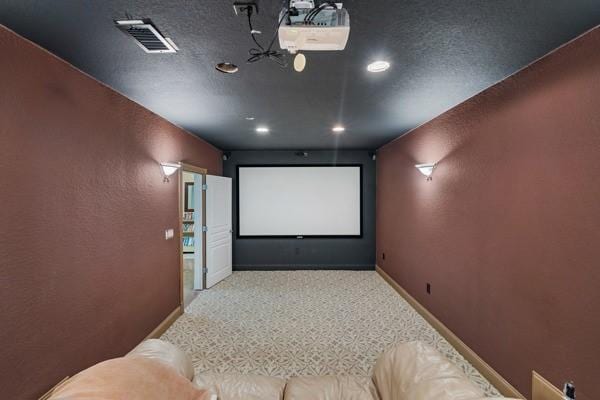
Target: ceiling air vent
x=147, y=36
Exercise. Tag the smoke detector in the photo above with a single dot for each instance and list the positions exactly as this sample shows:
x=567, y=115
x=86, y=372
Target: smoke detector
x=147, y=36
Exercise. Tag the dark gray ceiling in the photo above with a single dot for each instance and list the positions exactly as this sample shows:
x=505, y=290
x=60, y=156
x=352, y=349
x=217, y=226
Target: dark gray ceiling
x=442, y=52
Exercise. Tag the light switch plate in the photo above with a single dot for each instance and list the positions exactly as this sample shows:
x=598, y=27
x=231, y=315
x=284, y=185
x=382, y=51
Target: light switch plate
x=169, y=234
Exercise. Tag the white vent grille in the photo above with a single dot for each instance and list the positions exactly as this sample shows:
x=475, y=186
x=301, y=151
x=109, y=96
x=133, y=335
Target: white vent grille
x=147, y=36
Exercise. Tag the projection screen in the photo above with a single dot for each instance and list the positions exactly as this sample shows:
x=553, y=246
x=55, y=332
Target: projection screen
x=299, y=201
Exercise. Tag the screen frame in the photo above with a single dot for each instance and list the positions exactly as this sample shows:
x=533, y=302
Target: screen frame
x=237, y=201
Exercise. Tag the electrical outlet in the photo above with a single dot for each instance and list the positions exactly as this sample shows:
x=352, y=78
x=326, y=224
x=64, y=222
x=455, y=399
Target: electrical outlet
x=241, y=8
x=428, y=288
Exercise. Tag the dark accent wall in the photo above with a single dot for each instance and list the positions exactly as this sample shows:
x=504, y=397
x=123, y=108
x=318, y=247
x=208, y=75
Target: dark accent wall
x=85, y=270
x=307, y=253
x=508, y=230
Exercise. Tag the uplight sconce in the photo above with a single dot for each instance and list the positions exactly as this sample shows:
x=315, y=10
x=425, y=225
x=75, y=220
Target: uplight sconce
x=426, y=169
x=168, y=169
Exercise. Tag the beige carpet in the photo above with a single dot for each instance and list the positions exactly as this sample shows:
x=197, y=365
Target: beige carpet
x=302, y=323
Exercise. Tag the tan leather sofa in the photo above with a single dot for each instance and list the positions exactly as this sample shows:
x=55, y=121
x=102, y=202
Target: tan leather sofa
x=408, y=371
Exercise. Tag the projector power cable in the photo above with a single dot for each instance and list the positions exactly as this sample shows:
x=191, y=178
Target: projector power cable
x=258, y=53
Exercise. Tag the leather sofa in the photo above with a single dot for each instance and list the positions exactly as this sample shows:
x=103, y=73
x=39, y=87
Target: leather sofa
x=407, y=371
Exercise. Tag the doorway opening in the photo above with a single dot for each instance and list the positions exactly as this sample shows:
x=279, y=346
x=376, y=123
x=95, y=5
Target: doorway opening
x=205, y=228
x=192, y=220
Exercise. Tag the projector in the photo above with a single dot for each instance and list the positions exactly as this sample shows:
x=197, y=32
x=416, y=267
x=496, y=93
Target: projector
x=321, y=28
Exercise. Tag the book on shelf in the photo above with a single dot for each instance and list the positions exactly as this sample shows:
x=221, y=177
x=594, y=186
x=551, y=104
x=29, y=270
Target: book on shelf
x=188, y=241
x=188, y=215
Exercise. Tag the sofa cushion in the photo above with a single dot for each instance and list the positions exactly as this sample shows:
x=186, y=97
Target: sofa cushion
x=128, y=378
x=415, y=371
x=166, y=353
x=241, y=387
x=330, y=388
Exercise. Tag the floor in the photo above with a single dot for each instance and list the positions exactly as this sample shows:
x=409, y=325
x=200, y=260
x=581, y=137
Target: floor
x=302, y=323
x=189, y=294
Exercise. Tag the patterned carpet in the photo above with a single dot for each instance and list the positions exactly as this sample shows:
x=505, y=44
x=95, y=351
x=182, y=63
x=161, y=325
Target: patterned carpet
x=302, y=323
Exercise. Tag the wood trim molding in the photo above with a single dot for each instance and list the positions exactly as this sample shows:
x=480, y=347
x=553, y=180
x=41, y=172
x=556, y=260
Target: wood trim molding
x=484, y=368
x=543, y=390
x=193, y=168
x=180, y=206
x=165, y=324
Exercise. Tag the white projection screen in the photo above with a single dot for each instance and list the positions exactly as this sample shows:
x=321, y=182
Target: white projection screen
x=299, y=200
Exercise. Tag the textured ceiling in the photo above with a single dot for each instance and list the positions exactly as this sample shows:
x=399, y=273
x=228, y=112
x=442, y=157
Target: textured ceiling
x=442, y=52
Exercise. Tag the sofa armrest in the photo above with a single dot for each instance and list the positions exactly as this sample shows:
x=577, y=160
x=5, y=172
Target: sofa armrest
x=415, y=371
x=166, y=353
x=129, y=378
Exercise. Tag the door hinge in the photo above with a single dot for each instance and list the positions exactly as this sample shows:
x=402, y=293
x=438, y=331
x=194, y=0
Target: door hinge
x=205, y=229
x=204, y=187
x=204, y=270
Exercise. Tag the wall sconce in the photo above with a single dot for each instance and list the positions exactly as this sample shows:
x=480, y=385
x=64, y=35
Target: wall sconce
x=168, y=169
x=426, y=169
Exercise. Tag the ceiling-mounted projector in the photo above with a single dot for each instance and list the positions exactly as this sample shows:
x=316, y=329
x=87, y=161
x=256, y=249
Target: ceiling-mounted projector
x=314, y=27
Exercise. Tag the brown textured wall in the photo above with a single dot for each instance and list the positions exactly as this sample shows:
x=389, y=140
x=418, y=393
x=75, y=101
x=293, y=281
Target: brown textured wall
x=508, y=231
x=85, y=271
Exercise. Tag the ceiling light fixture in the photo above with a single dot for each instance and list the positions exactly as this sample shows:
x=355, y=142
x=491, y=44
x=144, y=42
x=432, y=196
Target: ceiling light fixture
x=378, y=66
x=426, y=169
x=299, y=62
x=227, y=68
x=249, y=118
x=338, y=129
x=168, y=169
x=262, y=130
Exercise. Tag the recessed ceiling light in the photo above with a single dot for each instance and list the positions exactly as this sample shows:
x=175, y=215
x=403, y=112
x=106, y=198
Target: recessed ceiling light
x=262, y=130
x=338, y=129
x=378, y=66
x=227, y=68
x=249, y=118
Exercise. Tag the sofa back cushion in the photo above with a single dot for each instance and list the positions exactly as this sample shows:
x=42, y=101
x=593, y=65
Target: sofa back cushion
x=241, y=387
x=128, y=378
x=330, y=388
x=415, y=371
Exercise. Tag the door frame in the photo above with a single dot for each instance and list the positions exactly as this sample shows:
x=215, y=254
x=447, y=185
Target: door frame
x=180, y=207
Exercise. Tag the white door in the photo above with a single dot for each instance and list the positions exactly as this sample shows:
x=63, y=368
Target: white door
x=218, y=229
x=198, y=208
